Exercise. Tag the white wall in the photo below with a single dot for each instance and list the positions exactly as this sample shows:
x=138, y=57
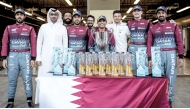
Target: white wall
x=107, y=13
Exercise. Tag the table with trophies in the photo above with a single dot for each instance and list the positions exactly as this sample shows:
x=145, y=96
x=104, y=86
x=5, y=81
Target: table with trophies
x=104, y=80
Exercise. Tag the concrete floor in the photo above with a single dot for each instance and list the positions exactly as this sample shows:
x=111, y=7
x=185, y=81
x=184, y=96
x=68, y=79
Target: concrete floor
x=181, y=99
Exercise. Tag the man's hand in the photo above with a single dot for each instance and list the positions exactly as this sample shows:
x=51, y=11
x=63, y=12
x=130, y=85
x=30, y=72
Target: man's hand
x=5, y=63
x=180, y=63
x=150, y=64
x=172, y=21
x=39, y=63
x=32, y=63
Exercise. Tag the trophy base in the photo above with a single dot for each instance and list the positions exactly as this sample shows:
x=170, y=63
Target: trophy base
x=54, y=74
x=122, y=75
x=115, y=75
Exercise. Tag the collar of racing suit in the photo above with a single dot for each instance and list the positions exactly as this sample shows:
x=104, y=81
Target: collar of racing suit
x=97, y=29
x=162, y=24
x=19, y=25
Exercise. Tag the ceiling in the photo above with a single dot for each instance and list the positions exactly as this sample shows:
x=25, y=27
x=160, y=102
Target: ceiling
x=149, y=7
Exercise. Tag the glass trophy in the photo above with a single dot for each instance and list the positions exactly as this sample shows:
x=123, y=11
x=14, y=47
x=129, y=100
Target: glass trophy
x=156, y=62
x=57, y=58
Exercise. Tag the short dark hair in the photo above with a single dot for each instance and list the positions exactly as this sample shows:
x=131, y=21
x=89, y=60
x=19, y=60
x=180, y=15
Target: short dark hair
x=116, y=11
x=91, y=16
x=67, y=12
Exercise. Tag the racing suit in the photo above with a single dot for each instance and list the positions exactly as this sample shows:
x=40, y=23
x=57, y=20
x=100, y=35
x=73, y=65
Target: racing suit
x=19, y=47
x=93, y=47
x=78, y=40
x=168, y=37
x=138, y=30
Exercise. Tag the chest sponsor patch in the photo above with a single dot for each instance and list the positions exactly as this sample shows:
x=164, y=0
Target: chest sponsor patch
x=143, y=28
x=72, y=35
x=80, y=30
x=132, y=28
x=24, y=34
x=169, y=32
x=14, y=30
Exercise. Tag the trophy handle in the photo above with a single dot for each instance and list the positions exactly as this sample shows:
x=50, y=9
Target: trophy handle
x=111, y=30
x=92, y=32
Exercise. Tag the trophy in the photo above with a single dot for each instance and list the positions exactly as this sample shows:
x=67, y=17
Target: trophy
x=121, y=64
x=57, y=58
x=102, y=63
x=95, y=63
x=89, y=63
x=71, y=64
x=82, y=63
x=115, y=63
x=156, y=62
x=108, y=63
x=101, y=39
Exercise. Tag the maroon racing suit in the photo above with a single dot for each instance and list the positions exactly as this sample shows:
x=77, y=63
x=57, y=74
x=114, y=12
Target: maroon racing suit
x=168, y=37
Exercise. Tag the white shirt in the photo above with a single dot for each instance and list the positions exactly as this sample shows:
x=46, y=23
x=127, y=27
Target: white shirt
x=49, y=36
x=121, y=32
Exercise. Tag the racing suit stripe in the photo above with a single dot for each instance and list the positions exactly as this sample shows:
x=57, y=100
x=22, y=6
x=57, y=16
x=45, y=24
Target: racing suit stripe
x=179, y=41
x=33, y=43
x=5, y=43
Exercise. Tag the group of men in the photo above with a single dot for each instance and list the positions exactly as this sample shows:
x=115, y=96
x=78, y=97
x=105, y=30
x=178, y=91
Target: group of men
x=19, y=43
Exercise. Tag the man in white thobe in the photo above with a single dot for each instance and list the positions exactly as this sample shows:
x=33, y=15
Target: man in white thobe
x=52, y=34
x=120, y=31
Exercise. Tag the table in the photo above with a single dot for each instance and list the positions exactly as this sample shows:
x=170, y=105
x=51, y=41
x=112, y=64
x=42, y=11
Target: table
x=101, y=92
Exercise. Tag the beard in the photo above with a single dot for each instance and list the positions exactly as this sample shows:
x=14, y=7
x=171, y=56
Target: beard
x=19, y=21
x=161, y=19
x=90, y=25
x=67, y=21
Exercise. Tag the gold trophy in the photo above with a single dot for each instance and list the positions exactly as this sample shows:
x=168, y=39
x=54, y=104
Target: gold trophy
x=115, y=64
x=95, y=63
x=108, y=63
x=102, y=70
x=82, y=63
x=88, y=63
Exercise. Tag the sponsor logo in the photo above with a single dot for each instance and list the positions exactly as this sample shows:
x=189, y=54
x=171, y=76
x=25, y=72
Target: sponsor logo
x=169, y=32
x=19, y=42
x=168, y=27
x=141, y=23
x=132, y=28
x=141, y=28
x=24, y=29
x=80, y=30
x=173, y=64
x=14, y=30
x=27, y=72
x=73, y=31
x=72, y=35
x=24, y=34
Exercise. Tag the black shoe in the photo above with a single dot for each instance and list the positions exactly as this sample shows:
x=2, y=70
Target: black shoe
x=30, y=104
x=10, y=105
x=170, y=104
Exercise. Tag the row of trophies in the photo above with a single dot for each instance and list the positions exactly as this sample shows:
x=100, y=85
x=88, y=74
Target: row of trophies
x=105, y=63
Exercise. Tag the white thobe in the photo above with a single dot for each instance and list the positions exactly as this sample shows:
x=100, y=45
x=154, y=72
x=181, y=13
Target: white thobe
x=120, y=32
x=50, y=35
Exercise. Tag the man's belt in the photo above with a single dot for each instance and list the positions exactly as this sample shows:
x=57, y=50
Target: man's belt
x=138, y=43
x=23, y=50
x=167, y=49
